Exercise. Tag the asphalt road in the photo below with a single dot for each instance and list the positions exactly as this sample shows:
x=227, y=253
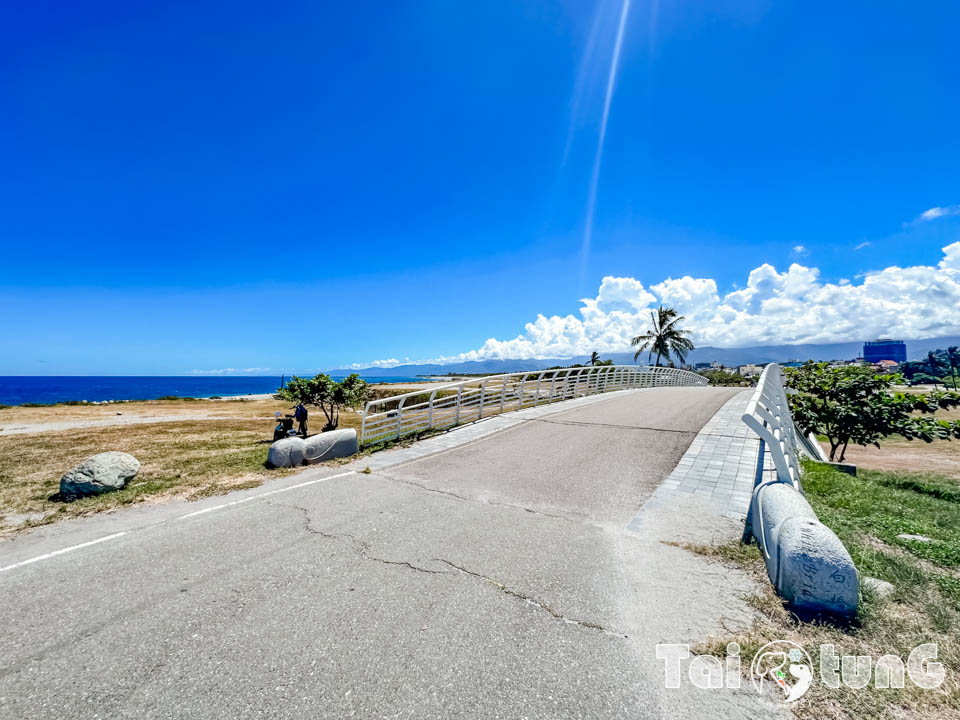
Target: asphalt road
x=494, y=580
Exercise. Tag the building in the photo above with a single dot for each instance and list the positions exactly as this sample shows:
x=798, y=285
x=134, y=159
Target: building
x=749, y=371
x=885, y=349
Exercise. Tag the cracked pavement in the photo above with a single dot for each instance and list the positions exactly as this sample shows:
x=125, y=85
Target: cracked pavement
x=496, y=579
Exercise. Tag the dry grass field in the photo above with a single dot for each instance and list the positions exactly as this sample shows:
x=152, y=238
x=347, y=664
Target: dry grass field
x=191, y=458
x=897, y=454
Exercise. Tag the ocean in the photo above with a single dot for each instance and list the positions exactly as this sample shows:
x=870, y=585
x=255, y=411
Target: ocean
x=49, y=389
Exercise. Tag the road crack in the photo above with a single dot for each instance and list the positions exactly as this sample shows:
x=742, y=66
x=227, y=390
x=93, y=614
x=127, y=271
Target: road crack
x=474, y=500
x=362, y=546
x=614, y=425
x=506, y=590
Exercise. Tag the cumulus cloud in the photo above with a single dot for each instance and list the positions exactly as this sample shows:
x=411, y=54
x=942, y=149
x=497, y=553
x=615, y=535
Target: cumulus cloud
x=938, y=212
x=793, y=306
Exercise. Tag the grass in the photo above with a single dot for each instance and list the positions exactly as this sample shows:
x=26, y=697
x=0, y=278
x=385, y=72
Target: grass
x=867, y=513
x=188, y=459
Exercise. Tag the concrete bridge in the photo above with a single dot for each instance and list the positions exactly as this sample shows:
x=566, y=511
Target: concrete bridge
x=514, y=567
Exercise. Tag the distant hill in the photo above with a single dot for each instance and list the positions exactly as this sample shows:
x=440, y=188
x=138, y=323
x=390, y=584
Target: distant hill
x=916, y=349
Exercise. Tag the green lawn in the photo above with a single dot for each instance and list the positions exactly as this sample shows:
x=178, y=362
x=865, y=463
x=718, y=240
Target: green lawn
x=867, y=513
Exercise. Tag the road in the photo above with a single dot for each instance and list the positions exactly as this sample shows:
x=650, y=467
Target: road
x=496, y=579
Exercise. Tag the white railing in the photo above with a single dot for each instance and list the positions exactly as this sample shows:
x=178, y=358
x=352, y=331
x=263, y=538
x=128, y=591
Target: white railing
x=461, y=402
x=768, y=415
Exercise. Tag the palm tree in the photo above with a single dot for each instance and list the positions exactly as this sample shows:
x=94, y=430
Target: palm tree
x=953, y=360
x=933, y=362
x=665, y=337
x=594, y=358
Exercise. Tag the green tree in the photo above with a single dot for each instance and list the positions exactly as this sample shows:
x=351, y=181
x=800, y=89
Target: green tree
x=953, y=361
x=665, y=337
x=933, y=364
x=324, y=392
x=594, y=358
x=853, y=404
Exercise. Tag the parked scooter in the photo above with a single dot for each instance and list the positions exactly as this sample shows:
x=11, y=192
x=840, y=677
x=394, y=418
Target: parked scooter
x=284, y=427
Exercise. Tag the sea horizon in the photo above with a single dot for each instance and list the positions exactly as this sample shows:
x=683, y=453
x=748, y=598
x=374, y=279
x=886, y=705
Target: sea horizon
x=53, y=389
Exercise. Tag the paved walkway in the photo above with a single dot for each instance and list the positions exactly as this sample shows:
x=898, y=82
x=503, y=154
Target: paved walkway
x=720, y=466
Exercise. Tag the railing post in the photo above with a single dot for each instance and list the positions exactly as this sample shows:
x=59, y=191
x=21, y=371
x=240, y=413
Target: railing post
x=503, y=392
x=400, y=417
x=523, y=380
x=430, y=412
x=363, y=423
x=459, y=396
x=483, y=391
x=536, y=399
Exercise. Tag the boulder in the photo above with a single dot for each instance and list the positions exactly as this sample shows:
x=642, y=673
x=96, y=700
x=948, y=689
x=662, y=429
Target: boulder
x=99, y=474
x=331, y=444
x=815, y=571
x=806, y=562
x=287, y=452
x=880, y=588
x=915, y=538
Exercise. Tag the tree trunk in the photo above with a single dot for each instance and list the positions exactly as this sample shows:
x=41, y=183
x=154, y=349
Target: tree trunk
x=843, y=453
x=833, y=449
x=658, y=358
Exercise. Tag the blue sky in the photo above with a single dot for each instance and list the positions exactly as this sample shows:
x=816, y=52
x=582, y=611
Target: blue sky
x=307, y=185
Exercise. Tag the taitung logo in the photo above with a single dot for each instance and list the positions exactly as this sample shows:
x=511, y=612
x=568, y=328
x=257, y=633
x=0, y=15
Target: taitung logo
x=784, y=664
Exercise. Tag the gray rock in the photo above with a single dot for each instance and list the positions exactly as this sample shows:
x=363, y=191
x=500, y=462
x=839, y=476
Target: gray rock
x=915, y=538
x=880, y=587
x=99, y=474
x=287, y=452
x=331, y=444
x=806, y=562
x=772, y=504
x=815, y=571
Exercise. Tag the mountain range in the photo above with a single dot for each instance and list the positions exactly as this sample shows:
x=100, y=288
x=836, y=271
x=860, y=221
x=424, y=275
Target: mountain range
x=731, y=357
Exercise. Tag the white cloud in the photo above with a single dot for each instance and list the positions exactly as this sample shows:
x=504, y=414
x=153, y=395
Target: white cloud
x=863, y=245
x=938, y=212
x=388, y=363
x=951, y=257
x=793, y=306
x=800, y=250
x=231, y=371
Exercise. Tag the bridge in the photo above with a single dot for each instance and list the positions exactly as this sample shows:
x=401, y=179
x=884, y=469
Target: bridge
x=524, y=565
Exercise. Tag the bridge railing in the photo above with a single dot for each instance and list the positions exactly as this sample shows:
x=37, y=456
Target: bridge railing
x=447, y=405
x=806, y=562
x=768, y=415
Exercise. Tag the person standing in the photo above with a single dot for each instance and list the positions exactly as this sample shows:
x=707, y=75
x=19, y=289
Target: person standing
x=300, y=415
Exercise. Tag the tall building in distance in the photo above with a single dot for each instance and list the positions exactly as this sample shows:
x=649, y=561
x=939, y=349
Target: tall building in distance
x=885, y=349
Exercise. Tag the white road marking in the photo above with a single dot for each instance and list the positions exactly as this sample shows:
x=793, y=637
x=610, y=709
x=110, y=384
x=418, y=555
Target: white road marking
x=49, y=555
x=61, y=552
x=263, y=495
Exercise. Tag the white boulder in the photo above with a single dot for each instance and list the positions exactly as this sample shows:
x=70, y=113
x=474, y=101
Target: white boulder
x=287, y=452
x=331, y=444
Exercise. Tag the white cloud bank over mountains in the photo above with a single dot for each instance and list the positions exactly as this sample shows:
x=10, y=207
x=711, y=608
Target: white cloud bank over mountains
x=774, y=308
